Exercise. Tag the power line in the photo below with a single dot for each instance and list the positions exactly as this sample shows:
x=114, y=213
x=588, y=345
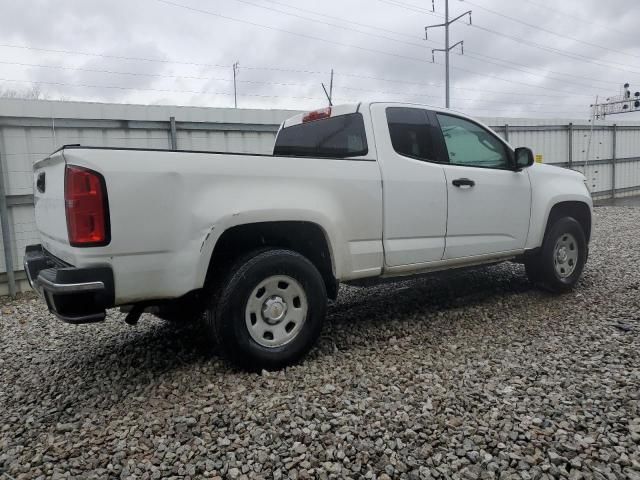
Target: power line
x=470, y=89
x=114, y=72
x=572, y=55
x=261, y=68
x=278, y=69
x=492, y=111
x=227, y=94
x=116, y=57
x=517, y=82
x=155, y=75
x=350, y=29
x=252, y=23
x=365, y=33
x=117, y=87
x=410, y=36
x=539, y=28
x=473, y=54
x=413, y=8
x=388, y=38
x=166, y=61
x=277, y=29
x=579, y=18
x=284, y=84
x=158, y=60
x=250, y=68
x=487, y=60
x=360, y=24
x=206, y=12
x=424, y=95
x=394, y=32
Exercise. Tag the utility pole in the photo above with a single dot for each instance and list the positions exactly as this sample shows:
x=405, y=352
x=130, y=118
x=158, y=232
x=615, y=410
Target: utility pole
x=447, y=48
x=235, y=85
x=329, y=93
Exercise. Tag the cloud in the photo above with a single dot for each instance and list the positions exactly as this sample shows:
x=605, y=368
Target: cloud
x=284, y=57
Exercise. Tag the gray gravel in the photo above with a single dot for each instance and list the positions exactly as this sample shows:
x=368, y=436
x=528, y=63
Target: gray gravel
x=476, y=375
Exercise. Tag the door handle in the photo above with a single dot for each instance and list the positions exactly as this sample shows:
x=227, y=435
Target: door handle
x=463, y=182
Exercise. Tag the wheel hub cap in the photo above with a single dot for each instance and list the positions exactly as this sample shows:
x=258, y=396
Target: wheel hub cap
x=274, y=310
x=562, y=255
x=565, y=255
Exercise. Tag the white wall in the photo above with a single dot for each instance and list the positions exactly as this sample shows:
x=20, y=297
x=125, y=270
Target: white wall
x=31, y=129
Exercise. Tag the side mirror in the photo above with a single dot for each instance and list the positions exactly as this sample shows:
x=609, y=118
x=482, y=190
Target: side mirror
x=523, y=158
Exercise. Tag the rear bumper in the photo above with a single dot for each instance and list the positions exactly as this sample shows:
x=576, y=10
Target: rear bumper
x=75, y=295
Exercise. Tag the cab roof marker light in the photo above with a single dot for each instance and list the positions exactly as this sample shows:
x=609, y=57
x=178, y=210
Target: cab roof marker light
x=317, y=115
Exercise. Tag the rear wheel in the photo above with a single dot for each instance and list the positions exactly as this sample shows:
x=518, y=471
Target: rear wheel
x=269, y=311
x=560, y=263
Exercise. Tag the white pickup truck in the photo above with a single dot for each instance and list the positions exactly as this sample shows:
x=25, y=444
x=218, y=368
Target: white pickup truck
x=256, y=244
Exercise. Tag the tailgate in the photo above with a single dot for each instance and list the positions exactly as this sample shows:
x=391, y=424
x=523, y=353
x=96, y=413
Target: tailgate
x=50, y=214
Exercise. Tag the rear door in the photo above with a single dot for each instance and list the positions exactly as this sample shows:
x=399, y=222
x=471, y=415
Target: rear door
x=414, y=186
x=489, y=202
x=49, y=203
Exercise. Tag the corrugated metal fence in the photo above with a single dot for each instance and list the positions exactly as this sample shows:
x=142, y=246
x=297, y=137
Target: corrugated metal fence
x=30, y=130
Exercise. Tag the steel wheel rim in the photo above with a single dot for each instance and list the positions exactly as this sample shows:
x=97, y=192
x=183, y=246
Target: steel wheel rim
x=276, y=311
x=565, y=255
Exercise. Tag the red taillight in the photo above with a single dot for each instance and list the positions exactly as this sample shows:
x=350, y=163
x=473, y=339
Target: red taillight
x=317, y=115
x=85, y=197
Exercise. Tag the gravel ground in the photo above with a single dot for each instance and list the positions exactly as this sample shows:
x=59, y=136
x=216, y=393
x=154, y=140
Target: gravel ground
x=476, y=375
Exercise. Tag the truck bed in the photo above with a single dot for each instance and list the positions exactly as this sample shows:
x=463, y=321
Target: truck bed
x=167, y=208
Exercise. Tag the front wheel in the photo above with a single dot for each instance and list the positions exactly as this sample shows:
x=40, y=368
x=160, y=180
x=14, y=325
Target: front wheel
x=560, y=263
x=270, y=310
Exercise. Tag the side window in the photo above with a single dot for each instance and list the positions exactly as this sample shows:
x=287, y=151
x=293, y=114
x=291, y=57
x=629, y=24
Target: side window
x=470, y=144
x=411, y=133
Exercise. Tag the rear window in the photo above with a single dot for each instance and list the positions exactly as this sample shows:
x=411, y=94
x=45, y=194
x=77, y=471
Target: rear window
x=411, y=133
x=336, y=137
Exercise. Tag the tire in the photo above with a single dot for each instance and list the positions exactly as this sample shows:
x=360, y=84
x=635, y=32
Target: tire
x=269, y=310
x=560, y=263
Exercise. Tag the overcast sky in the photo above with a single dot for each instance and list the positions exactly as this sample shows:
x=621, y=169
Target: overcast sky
x=531, y=58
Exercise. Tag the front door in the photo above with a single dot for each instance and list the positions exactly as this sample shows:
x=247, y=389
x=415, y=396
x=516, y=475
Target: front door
x=489, y=203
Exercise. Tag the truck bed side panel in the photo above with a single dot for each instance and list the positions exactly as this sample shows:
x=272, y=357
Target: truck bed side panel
x=168, y=209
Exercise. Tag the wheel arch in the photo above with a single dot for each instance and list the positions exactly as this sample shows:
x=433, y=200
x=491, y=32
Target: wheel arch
x=575, y=209
x=306, y=238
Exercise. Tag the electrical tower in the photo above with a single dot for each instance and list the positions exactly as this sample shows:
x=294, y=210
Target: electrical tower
x=447, y=48
x=623, y=103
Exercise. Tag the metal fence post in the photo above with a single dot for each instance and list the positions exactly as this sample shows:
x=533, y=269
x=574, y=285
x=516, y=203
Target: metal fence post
x=173, y=135
x=506, y=132
x=570, y=136
x=6, y=235
x=613, y=160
